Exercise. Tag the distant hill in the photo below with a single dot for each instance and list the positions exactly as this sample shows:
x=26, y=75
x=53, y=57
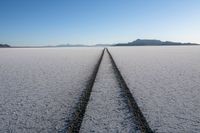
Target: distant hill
x=151, y=42
x=4, y=45
x=71, y=45
x=103, y=45
x=82, y=45
x=138, y=42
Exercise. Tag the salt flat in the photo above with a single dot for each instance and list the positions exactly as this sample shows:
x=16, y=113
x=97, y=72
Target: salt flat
x=39, y=88
x=107, y=110
x=165, y=81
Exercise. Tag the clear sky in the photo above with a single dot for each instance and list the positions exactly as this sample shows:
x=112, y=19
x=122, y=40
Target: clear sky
x=52, y=22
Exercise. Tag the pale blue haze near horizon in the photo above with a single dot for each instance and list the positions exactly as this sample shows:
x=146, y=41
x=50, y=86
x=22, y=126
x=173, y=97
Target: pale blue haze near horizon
x=53, y=22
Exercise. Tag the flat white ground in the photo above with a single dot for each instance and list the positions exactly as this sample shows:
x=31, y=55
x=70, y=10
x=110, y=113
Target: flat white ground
x=107, y=111
x=165, y=81
x=40, y=87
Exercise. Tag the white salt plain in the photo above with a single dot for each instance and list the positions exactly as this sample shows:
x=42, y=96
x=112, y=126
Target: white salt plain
x=39, y=88
x=165, y=81
x=107, y=111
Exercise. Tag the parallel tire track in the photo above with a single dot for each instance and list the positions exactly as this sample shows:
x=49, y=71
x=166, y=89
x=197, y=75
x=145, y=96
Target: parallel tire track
x=83, y=101
x=139, y=117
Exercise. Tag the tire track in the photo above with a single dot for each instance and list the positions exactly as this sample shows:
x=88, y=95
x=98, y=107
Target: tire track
x=77, y=117
x=107, y=110
x=133, y=106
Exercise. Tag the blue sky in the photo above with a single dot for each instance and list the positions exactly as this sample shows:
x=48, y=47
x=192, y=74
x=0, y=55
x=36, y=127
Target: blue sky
x=52, y=22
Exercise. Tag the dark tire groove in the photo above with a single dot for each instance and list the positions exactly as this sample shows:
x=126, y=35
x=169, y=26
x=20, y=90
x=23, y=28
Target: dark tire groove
x=141, y=122
x=78, y=115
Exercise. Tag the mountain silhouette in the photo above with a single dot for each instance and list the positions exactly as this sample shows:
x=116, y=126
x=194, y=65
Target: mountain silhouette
x=151, y=42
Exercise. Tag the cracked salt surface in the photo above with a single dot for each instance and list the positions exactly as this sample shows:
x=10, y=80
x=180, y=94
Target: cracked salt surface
x=107, y=110
x=39, y=88
x=165, y=81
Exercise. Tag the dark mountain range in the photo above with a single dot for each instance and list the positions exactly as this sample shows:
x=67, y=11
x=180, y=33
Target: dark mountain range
x=151, y=42
x=4, y=45
x=138, y=42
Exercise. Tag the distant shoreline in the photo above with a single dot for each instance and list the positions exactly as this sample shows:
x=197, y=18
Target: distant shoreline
x=138, y=42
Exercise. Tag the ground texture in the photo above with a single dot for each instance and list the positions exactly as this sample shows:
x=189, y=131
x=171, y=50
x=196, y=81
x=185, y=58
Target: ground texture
x=165, y=81
x=39, y=88
x=107, y=110
x=74, y=89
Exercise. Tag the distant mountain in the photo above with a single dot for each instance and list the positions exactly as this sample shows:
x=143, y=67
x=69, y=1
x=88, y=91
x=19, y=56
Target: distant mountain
x=82, y=45
x=138, y=42
x=72, y=45
x=102, y=45
x=146, y=42
x=4, y=45
x=151, y=42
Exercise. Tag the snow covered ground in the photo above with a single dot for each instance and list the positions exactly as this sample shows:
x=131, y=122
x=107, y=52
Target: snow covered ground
x=165, y=81
x=107, y=111
x=40, y=87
